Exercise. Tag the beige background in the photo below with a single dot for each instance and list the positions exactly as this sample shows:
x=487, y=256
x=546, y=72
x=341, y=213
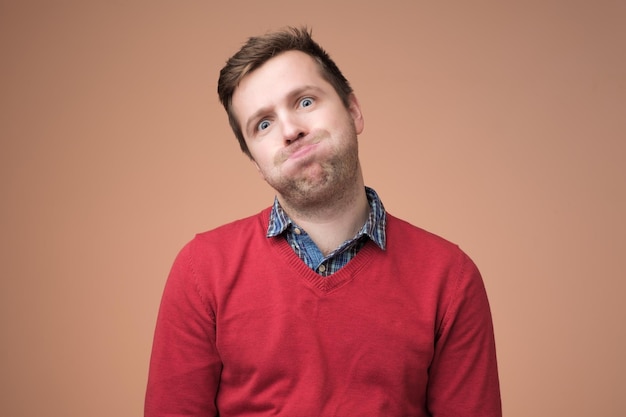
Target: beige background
x=499, y=125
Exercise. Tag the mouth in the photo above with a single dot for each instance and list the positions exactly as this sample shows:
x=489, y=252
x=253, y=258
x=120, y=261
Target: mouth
x=300, y=148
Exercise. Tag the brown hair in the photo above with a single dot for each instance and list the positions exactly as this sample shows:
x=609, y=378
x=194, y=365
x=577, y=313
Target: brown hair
x=258, y=50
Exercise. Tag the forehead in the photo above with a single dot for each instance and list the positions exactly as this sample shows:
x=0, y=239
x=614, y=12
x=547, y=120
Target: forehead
x=275, y=79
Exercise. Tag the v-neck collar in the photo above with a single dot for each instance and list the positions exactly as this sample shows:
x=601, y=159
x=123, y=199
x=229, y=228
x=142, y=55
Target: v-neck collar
x=322, y=285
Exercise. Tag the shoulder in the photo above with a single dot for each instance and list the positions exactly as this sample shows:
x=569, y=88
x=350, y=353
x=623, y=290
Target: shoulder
x=402, y=232
x=219, y=254
x=425, y=247
x=255, y=225
x=226, y=241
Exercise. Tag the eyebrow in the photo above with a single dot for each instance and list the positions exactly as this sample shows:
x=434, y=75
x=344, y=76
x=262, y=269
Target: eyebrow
x=264, y=110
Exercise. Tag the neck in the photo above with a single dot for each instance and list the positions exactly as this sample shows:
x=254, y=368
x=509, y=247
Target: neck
x=331, y=223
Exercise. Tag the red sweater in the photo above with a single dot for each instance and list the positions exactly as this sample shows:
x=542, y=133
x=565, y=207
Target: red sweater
x=245, y=328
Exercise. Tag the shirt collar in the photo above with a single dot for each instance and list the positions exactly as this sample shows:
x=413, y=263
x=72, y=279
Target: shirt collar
x=374, y=227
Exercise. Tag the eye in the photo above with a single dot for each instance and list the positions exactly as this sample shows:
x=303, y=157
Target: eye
x=264, y=124
x=306, y=102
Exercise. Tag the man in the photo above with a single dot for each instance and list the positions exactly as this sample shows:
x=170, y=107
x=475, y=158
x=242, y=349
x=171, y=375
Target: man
x=323, y=304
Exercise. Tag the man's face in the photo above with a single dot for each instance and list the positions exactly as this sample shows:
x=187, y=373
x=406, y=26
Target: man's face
x=302, y=138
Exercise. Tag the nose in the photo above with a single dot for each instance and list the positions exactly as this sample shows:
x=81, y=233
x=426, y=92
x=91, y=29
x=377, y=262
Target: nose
x=292, y=128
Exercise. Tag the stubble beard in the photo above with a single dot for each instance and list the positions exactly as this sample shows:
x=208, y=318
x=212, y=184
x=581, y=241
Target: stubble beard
x=324, y=183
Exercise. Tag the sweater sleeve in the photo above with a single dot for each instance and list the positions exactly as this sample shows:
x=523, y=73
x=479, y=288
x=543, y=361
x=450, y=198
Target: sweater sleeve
x=185, y=366
x=463, y=378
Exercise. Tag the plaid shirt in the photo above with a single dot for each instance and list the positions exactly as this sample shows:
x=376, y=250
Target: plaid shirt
x=305, y=248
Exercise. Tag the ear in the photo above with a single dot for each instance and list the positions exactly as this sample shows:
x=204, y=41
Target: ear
x=355, y=112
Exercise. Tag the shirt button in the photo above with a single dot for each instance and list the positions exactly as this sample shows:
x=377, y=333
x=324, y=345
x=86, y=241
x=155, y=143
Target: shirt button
x=322, y=269
x=297, y=231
